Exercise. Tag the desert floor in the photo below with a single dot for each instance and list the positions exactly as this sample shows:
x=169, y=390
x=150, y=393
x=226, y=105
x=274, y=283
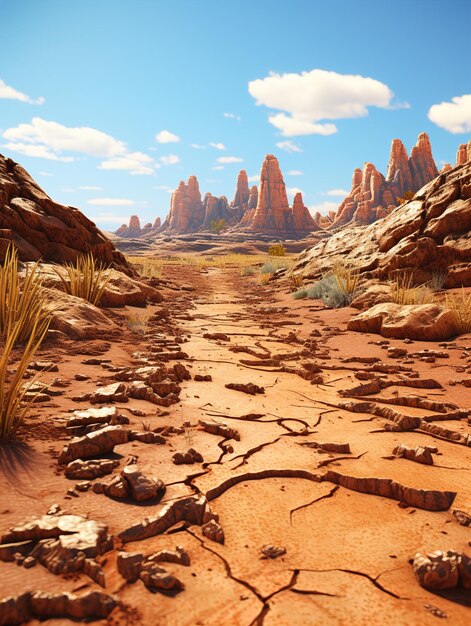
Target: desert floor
x=347, y=553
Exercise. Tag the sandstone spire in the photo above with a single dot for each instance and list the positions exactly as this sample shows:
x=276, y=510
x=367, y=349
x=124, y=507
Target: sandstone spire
x=241, y=196
x=273, y=212
x=303, y=220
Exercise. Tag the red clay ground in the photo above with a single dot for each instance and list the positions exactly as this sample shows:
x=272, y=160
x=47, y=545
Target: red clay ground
x=347, y=553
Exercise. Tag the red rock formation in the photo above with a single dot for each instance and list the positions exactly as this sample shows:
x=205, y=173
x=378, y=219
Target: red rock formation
x=44, y=229
x=242, y=193
x=428, y=235
x=134, y=230
x=186, y=208
x=464, y=153
x=253, y=198
x=373, y=197
x=303, y=220
x=157, y=223
x=215, y=209
x=273, y=215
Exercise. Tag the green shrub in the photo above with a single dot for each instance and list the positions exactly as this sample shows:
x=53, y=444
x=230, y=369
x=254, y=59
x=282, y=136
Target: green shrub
x=300, y=293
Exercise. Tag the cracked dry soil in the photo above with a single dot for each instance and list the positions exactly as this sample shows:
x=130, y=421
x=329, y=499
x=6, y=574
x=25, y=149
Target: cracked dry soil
x=286, y=472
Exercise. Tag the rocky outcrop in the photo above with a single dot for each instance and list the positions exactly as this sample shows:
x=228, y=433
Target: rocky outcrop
x=464, y=153
x=420, y=322
x=427, y=235
x=242, y=193
x=373, y=196
x=215, y=209
x=133, y=230
x=273, y=215
x=44, y=229
x=187, y=212
x=253, y=198
x=303, y=220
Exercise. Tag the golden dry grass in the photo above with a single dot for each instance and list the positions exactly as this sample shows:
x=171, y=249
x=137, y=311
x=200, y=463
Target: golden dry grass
x=86, y=279
x=460, y=306
x=404, y=292
x=155, y=267
x=24, y=320
x=347, y=277
x=21, y=298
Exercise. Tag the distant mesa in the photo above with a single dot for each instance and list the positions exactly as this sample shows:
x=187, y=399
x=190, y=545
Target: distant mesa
x=263, y=210
x=374, y=196
x=133, y=230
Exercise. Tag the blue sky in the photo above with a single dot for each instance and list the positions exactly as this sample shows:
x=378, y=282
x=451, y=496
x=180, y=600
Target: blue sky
x=86, y=89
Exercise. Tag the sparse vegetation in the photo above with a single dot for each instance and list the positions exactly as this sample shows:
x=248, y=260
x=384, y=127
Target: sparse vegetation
x=21, y=299
x=265, y=277
x=277, y=249
x=296, y=281
x=86, y=279
x=300, y=293
x=404, y=292
x=12, y=386
x=408, y=195
x=218, y=226
x=248, y=271
x=460, y=306
x=337, y=288
x=437, y=280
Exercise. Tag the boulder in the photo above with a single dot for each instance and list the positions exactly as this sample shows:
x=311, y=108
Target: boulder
x=421, y=322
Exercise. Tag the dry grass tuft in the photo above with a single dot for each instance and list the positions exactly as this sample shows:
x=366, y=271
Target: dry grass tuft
x=87, y=279
x=265, y=278
x=404, y=292
x=460, y=306
x=347, y=278
x=21, y=299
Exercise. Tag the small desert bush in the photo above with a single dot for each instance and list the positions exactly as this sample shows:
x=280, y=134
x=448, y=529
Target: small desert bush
x=12, y=387
x=248, y=271
x=300, y=293
x=22, y=303
x=277, y=249
x=265, y=277
x=404, y=292
x=87, y=279
x=460, y=306
x=268, y=268
x=336, y=289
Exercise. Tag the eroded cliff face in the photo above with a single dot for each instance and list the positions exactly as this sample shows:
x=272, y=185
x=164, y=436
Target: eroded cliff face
x=428, y=234
x=44, y=229
x=374, y=196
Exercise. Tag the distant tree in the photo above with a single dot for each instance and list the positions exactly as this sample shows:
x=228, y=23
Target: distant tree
x=277, y=249
x=218, y=226
x=408, y=195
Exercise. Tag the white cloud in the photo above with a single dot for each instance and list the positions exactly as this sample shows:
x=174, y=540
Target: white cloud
x=254, y=179
x=324, y=207
x=292, y=191
x=136, y=163
x=454, y=116
x=45, y=174
x=110, y=218
x=232, y=116
x=310, y=97
x=197, y=146
x=68, y=189
x=170, y=159
x=110, y=202
x=36, y=151
x=288, y=146
x=60, y=138
x=293, y=127
x=9, y=93
x=165, y=136
x=164, y=187
x=295, y=173
x=337, y=192
x=218, y=146
x=229, y=159
x=218, y=167
x=90, y=188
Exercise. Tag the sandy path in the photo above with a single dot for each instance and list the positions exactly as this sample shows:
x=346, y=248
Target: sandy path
x=347, y=553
